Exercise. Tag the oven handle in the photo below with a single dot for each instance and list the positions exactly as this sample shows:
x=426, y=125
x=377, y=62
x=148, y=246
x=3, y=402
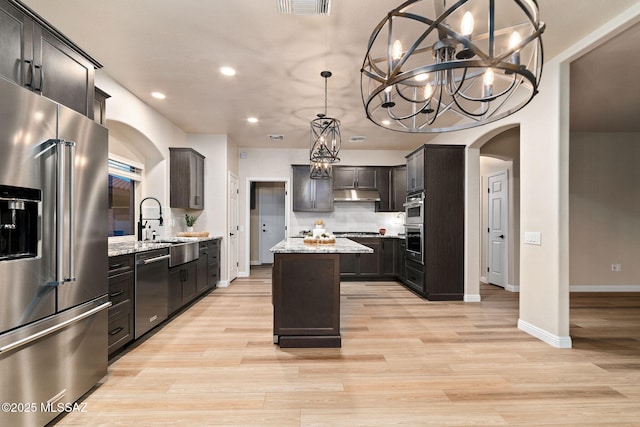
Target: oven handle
x=413, y=225
x=413, y=204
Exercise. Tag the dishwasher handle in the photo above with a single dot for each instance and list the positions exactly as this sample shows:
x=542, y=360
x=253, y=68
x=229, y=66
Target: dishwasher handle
x=152, y=260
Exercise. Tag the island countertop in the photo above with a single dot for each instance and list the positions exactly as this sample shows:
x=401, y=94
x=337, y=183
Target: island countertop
x=294, y=245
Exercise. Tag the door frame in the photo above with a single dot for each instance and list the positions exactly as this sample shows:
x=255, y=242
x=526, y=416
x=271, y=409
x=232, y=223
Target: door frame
x=505, y=256
x=230, y=258
x=246, y=267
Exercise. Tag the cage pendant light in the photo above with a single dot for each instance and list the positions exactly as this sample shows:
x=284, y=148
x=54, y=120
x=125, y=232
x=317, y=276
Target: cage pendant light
x=325, y=140
x=475, y=62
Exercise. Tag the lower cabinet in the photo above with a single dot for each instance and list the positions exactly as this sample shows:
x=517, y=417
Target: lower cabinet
x=214, y=262
x=121, y=287
x=202, y=281
x=377, y=265
x=399, y=259
x=182, y=285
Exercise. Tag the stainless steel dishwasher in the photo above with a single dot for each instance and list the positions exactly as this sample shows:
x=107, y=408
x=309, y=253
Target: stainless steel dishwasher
x=152, y=284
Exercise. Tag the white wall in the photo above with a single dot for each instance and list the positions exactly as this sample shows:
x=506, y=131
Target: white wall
x=604, y=211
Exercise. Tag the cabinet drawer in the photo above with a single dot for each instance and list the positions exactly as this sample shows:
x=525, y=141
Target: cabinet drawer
x=120, y=288
x=120, y=264
x=120, y=326
x=414, y=278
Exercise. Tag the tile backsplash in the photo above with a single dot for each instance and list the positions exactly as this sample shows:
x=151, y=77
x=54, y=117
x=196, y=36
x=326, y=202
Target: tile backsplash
x=349, y=216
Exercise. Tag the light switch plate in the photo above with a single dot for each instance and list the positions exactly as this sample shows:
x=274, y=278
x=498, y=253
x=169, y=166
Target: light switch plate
x=533, y=238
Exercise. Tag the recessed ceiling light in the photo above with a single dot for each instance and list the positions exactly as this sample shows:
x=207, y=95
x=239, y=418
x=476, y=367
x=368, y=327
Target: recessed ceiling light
x=228, y=71
x=158, y=95
x=252, y=120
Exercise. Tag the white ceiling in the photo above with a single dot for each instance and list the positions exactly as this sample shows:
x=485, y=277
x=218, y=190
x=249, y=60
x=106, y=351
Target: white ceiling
x=177, y=47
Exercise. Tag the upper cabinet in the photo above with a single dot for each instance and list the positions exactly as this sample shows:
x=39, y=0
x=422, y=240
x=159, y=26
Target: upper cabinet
x=187, y=179
x=36, y=56
x=415, y=171
x=351, y=177
x=392, y=187
x=311, y=195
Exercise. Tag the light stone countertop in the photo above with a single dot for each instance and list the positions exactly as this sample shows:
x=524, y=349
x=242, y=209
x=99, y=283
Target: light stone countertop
x=132, y=247
x=294, y=245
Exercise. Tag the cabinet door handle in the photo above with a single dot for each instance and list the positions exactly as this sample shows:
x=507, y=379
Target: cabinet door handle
x=41, y=69
x=29, y=82
x=116, y=331
x=116, y=294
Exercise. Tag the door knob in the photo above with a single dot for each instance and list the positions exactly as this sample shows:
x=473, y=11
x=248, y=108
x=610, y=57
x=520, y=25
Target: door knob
x=501, y=236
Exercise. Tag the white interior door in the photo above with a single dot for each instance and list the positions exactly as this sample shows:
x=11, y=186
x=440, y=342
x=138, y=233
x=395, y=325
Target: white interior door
x=233, y=227
x=272, y=219
x=497, y=226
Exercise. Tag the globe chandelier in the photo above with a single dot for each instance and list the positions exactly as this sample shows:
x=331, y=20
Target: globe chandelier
x=455, y=71
x=325, y=140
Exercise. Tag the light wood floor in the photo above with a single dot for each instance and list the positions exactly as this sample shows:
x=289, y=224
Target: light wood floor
x=404, y=361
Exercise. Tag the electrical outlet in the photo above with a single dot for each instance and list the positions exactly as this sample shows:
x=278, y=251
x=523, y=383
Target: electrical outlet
x=616, y=267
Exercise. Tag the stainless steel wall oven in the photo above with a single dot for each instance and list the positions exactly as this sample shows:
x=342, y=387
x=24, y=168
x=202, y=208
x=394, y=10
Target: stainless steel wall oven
x=414, y=236
x=414, y=209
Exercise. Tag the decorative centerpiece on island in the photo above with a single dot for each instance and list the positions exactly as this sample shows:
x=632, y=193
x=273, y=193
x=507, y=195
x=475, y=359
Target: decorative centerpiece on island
x=319, y=234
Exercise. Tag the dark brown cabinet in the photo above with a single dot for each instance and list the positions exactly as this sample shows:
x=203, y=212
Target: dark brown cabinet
x=352, y=177
x=100, y=106
x=399, y=258
x=439, y=171
x=311, y=195
x=182, y=285
x=202, y=281
x=214, y=262
x=36, y=56
x=186, y=178
x=121, y=284
x=415, y=171
x=371, y=266
x=392, y=187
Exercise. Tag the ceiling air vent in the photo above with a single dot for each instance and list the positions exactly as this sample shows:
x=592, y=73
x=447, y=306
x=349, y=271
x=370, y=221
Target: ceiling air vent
x=357, y=138
x=276, y=137
x=304, y=7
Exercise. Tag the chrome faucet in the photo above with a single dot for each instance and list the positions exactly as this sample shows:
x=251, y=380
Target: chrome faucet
x=159, y=219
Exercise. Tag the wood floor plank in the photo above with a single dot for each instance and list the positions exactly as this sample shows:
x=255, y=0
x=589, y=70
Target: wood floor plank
x=405, y=361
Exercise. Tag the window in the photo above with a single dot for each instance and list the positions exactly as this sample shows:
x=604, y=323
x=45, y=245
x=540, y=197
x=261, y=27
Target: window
x=123, y=176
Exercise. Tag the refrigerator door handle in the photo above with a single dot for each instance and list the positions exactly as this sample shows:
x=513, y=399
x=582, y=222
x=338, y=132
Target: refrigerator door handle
x=72, y=211
x=63, y=187
x=52, y=329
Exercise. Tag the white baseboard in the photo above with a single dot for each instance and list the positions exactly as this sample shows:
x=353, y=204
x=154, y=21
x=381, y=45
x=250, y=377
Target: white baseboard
x=512, y=288
x=471, y=298
x=255, y=263
x=604, y=288
x=223, y=283
x=243, y=274
x=541, y=334
x=483, y=279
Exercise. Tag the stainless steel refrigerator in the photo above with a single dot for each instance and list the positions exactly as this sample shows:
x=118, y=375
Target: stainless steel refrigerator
x=53, y=256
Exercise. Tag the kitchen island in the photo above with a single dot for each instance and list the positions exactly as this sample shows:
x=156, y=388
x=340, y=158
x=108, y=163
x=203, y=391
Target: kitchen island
x=306, y=292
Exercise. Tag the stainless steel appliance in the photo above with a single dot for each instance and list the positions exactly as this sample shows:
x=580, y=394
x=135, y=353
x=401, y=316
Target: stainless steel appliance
x=414, y=227
x=151, y=292
x=414, y=209
x=414, y=239
x=53, y=255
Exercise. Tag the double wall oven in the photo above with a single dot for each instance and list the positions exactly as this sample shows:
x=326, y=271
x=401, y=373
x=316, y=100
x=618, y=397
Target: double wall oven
x=414, y=227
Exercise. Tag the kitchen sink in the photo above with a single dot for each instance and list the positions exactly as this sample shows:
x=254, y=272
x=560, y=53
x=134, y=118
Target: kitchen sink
x=182, y=250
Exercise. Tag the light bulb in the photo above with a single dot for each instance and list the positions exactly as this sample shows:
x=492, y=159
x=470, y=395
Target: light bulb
x=467, y=24
x=428, y=91
x=422, y=77
x=514, y=40
x=388, y=89
x=488, y=77
x=396, y=50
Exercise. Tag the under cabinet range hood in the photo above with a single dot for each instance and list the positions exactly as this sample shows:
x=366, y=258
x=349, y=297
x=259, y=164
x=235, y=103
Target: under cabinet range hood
x=356, y=195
